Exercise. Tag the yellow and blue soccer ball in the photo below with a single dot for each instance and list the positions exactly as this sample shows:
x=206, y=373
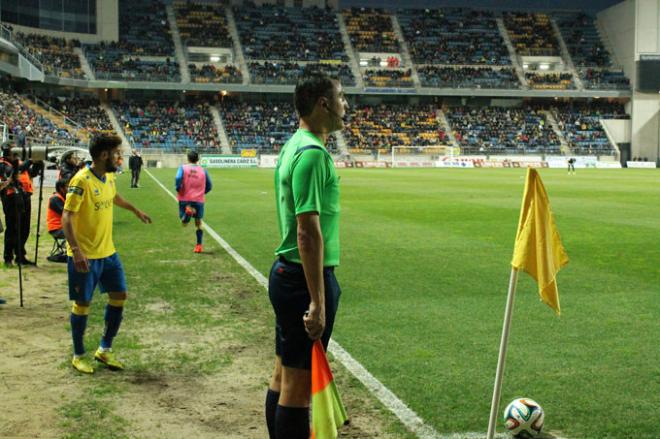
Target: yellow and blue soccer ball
x=523, y=418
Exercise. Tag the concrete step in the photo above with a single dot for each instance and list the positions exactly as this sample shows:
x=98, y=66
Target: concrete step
x=58, y=118
x=179, y=51
x=566, y=56
x=84, y=64
x=222, y=132
x=515, y=61
x=116, y=125
x=352, y=55
x=238, y=49
x=405, y=53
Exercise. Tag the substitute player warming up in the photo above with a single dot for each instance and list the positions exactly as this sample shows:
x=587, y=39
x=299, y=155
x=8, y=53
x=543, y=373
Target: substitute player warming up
x=92, y=258
x=192, y=184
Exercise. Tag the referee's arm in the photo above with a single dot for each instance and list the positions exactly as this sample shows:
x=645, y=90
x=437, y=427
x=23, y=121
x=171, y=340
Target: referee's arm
x=310, y=247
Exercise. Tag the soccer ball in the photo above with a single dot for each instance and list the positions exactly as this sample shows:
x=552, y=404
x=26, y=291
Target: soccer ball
x=523, y=418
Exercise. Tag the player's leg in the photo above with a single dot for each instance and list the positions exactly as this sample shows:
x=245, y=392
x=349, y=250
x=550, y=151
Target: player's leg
x=199, y=214
x=81, y=289
x=112, y=282
x=185, y=212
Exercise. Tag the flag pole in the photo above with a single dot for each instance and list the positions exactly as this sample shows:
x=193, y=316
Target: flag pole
x=513, y=280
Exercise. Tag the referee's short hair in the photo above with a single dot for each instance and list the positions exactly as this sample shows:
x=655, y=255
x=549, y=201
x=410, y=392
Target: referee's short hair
x=309, y=89
x=103, y=142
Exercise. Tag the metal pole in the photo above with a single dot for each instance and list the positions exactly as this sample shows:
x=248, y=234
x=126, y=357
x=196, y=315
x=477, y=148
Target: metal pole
x=508, y=312
x=41, y=197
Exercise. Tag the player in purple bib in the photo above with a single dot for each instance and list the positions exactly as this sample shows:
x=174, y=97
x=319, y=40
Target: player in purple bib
x=192, y=184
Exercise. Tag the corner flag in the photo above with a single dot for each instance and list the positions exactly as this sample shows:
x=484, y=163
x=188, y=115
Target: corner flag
x=328, y=412
x=538, y=249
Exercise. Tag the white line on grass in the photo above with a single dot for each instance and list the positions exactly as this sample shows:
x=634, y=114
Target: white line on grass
x=407, y=416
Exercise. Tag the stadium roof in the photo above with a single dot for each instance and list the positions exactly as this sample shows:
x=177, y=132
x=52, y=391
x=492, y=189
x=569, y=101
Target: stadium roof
x=584, y=5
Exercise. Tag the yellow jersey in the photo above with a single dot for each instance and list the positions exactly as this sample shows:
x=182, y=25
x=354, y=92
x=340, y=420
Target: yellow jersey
x=92, y=199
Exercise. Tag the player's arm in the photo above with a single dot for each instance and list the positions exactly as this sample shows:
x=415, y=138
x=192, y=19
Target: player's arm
x=178, y=180
x=209, y=183
x=310, y=247
x=124, y=204
x=80, y=261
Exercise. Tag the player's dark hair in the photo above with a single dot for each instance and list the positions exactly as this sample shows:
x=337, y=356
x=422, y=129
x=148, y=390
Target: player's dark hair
x=308, y=91
x=103, y=142
x=61, y=184
x=193, y=157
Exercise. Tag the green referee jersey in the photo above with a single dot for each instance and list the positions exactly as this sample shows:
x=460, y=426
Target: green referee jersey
x=306, y=181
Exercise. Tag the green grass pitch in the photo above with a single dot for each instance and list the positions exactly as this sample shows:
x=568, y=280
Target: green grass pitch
x=424, y=274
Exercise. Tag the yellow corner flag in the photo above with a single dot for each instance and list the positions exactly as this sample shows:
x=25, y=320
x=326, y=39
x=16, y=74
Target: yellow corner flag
x=538, y=249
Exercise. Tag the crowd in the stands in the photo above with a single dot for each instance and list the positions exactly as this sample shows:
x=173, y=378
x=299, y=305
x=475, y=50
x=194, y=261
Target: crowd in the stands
x=84, y=111
x=202, y=24
x=493, y=130
x=264, y=126
x=270, y=32
x=288, y=73
x=531, y=34
x=56, y=55
x=547, y=81
x=26, y=124
x=380, y=127
x=173, y=126
x=467, y=77
x=210, y=73
x=581, y=125
x=370, y=30
x=453, y=36
x=388, y=78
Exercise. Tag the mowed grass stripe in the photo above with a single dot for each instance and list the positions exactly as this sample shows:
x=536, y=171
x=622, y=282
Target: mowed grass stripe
x=425, y=265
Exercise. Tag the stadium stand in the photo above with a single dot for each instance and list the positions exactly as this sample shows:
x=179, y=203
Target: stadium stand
x=467, y=77
x=271, y=32
x=145, y=50
x=264, y=126
x=202, y=25
x=370, y=30
x=27, y=124
x=453, y=36
x=388, y=78
x=531, y=34
x=210, y=73
x=85, y=111
x=550, y=81
x=502, y=130
x=580, y=125
x=589, y=54
x=380, y=127
x=167, y=125
x=287, y=73
x=55, y=54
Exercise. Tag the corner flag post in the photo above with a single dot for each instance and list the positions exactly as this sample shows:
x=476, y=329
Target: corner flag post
x=501, y=360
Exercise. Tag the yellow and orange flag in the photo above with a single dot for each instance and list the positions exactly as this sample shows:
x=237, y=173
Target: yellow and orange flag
x=328, y=412
x=538, y=249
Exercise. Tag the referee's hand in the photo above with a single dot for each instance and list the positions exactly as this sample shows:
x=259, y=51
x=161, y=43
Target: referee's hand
x=314, y=320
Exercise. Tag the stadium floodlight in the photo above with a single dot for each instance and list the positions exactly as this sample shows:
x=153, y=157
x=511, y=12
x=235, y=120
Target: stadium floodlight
x=364, y=63
x=214, y=58
x=544, y=66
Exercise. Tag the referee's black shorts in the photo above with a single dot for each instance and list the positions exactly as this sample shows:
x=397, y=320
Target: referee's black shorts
x=287, y=289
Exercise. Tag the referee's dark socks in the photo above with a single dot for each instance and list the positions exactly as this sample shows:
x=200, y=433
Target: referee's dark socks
x=200, y=233
x=272, y=397
x=78, y=324
x=292, y=422
x=114, y=311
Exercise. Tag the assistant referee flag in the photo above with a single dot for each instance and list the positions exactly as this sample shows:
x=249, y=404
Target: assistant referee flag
x=328, y=412
x=538, y=249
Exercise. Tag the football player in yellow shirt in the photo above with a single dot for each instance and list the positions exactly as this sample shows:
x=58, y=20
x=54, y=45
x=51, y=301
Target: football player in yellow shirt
x=92, y=258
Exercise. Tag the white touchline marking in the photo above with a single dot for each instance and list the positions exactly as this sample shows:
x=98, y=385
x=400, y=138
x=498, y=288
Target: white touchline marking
x=407, y=416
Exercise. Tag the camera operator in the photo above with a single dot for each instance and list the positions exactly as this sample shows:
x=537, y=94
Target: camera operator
x=6, y=170
x=27, y=170
x=8, y=196
x=69, y=165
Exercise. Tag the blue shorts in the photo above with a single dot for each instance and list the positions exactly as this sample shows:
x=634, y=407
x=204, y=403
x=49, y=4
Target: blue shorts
x=287, y=289
x=199, y=208
x=107, y=273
